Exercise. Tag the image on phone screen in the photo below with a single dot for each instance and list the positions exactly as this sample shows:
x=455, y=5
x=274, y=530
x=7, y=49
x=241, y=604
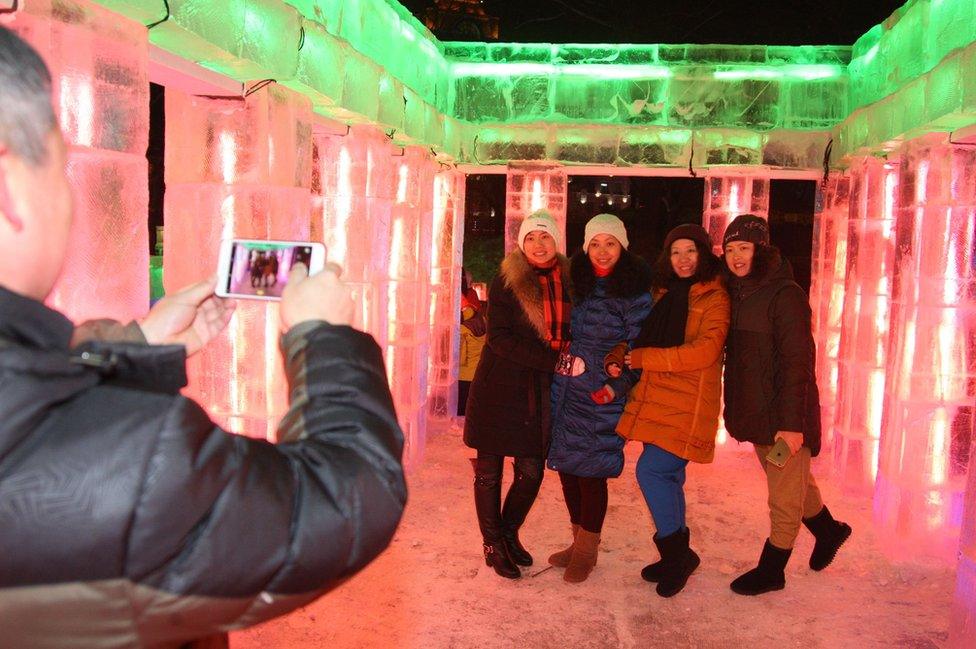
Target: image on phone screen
x=260, y=268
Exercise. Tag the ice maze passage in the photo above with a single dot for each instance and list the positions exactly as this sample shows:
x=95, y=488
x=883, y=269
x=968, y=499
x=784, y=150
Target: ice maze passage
x=348, y=122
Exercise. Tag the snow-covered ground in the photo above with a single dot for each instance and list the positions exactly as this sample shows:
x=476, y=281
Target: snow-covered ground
x=431, y=588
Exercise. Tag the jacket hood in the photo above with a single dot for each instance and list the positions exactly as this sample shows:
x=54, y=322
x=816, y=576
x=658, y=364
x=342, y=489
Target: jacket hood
x=630, y=277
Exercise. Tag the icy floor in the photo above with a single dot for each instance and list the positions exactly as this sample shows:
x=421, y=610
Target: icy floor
x=432, y=589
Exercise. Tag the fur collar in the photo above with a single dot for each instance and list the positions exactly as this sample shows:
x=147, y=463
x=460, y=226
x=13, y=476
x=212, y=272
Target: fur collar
x=520, y=278
x=629, y=278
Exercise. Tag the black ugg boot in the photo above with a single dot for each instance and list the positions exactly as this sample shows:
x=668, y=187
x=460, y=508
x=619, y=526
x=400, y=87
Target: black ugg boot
x=677, y=562
x=653, y=572
x=768, y=575
x=830, y=535
x=487, y=501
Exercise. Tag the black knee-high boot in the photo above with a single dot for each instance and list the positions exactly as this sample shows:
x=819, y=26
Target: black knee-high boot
x=518, y=502
x=487, y=502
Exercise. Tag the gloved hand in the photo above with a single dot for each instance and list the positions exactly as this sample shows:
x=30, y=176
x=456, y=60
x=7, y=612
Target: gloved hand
x=569, y=365
x=603, y=396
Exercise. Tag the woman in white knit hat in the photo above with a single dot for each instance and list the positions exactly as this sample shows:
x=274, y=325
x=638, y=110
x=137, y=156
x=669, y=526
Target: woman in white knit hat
x=508, y=412
x=611, y=298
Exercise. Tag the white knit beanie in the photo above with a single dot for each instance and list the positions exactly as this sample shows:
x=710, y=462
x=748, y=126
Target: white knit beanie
x=605, y=224
x=539, y=220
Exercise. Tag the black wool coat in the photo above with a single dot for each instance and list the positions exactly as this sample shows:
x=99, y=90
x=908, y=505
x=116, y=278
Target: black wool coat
x=770, y=380
x=508, y=411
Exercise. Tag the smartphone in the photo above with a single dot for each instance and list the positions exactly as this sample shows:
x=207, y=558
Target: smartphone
x=258, y=269
x=779, y=454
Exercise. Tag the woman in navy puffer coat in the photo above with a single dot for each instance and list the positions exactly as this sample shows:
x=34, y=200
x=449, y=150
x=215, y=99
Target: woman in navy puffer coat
x=611, y=298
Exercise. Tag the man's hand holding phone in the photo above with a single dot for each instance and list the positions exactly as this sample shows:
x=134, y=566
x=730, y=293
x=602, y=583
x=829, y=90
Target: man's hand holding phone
x=191, y=317
x=319, y=297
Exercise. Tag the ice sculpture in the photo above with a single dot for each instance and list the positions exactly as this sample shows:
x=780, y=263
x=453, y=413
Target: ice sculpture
x=236, y=167
x=962, y=626
x=99, y=67
x=864, y=323
x=445, y=288
x=927, y=418
x=827, y=290
x=532, y=187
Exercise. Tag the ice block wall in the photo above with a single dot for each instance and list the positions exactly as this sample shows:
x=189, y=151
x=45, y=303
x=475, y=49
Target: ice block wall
x=529, y=188
x=864, y=323
x=926, y=425
x=236, y=168
x=409, y=294
x=99, y=66
x=728, y=196
x=962, y=625
x=445, y=285
x=827, y=289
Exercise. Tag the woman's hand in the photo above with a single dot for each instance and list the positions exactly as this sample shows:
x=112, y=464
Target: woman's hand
x=793, y=439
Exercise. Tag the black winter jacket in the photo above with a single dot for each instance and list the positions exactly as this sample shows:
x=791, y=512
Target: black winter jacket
x=508, y=411
x=130, y=520
x=770, y=380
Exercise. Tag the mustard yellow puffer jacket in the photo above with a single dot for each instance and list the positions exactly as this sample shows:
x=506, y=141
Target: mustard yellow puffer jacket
x=676, y=403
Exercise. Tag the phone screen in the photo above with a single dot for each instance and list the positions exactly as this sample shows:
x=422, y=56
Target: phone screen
x=260, y=268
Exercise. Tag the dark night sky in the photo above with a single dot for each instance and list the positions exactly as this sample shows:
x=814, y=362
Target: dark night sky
x=762, y=22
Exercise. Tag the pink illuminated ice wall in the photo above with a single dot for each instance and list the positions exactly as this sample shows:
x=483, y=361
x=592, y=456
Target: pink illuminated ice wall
x=236, y=168
x=380, y=210
x=532, y=187
x=962, y=627
x=99, y=65
x=927, y=417
x=827, y=290
x=445, y=284
x=864, y=323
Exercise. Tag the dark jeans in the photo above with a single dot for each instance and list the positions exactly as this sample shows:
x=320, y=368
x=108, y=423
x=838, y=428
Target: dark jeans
x=493, y=518
x=661, y=476
x=586, y=500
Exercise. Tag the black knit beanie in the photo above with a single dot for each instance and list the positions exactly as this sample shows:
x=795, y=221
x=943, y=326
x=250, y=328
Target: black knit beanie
x=690, y=231
x=747, y=227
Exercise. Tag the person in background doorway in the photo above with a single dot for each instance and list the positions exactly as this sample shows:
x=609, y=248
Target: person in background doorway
x=771, y=395
x=474, y=326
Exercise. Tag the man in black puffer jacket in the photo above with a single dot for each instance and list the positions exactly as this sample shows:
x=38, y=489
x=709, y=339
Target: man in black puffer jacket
x=771, y=395
x=128, y=518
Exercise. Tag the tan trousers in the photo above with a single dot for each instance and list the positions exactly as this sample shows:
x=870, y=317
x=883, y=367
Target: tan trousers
x=793, y=495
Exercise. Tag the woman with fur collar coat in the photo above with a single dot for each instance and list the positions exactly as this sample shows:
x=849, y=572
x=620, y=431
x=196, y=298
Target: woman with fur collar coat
x=508, y=412
x=611, y=298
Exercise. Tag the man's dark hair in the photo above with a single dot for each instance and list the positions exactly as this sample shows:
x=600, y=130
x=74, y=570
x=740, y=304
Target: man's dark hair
x=26, y=115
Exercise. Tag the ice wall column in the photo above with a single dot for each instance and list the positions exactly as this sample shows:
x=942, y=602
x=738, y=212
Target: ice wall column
x=962, y=625
x=864, y=323
x=529, y=188
x=236, y=168
x=729, y=195
x=99, y=67
x=827, y=289
x=930, y=384
x=445, y=292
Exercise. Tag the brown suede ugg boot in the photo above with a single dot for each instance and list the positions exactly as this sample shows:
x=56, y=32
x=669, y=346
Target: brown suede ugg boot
x=561, y=559
x=584, y=556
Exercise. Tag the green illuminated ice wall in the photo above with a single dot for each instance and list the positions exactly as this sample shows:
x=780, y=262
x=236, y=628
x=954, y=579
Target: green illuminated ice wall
x=371, y=61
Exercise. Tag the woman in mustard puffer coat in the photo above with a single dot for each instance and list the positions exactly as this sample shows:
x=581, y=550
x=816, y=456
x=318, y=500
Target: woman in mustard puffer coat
x=674, y=407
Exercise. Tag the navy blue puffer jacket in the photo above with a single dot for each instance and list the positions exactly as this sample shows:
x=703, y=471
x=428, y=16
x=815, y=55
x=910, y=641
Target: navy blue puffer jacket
x=606, y=311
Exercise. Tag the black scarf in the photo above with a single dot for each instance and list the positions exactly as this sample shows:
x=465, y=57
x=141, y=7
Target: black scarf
x=665, y=326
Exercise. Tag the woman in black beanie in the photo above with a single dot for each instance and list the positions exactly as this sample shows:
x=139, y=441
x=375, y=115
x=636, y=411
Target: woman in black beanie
x=771, y=399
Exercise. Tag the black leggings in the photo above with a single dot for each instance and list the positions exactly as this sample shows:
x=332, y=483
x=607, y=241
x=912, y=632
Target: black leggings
x=521, y=495
x=586, y=500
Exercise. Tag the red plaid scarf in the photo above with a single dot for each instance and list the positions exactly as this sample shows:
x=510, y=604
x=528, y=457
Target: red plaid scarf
x=556, y=305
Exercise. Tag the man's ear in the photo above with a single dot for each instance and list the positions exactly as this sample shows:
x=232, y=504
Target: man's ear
x=7, y=211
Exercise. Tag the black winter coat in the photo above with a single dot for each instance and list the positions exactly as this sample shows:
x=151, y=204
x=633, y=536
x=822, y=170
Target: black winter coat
x=130, y=520
x=508, y=410
x=770, y=380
